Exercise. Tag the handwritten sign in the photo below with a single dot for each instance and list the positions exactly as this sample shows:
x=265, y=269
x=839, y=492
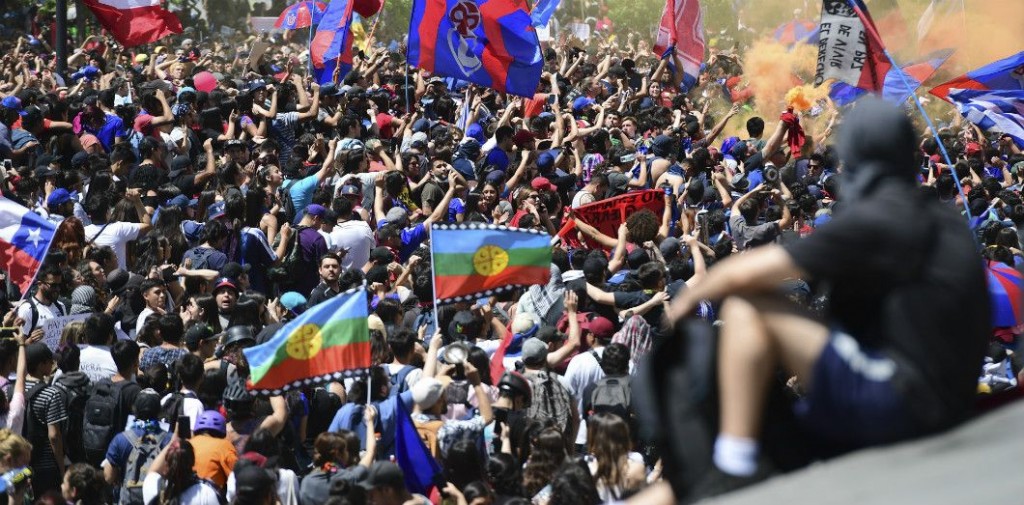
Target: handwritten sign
x=52, y=329
x=607, y=215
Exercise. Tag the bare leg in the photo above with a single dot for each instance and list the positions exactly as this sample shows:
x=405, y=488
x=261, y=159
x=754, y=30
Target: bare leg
x=758, y=334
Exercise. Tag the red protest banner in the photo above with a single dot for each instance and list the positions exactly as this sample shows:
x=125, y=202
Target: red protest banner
x=607, y=215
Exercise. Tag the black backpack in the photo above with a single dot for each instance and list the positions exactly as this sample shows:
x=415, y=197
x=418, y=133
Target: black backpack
x=35, y=312
x=287, y=204
x=102, y=419
x=174, y=407
x=292, y=263
x=74, y=387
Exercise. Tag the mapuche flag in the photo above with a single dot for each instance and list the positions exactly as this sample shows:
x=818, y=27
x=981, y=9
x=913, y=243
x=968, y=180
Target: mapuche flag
x=328, y=342
x=849, y=47
x=474, y=260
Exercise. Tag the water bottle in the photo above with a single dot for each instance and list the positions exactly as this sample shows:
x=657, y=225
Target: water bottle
x=14, y=477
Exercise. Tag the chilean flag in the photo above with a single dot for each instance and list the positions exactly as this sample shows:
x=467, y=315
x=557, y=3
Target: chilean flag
x=24, y=239
x=682, y=26
x=134, y=22
x=1004, y=74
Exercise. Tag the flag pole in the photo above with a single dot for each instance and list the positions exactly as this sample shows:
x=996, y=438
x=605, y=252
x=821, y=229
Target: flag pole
x=935, y=133
x=433, y=284
x=369, y=36
x=928, y=120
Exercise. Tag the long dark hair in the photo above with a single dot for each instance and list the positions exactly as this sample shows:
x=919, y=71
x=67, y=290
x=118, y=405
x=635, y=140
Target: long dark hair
x=462, y=464
x=180, y=460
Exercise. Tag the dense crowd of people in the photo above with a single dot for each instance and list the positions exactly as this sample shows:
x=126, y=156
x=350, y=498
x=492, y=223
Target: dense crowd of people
x=202, y=200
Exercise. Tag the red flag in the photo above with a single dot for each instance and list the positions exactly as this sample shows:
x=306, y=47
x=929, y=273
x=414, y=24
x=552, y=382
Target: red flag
x=134, y=22
x=682, y=26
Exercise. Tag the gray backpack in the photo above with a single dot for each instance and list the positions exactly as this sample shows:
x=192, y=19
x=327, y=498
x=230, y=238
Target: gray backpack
x=144, y=450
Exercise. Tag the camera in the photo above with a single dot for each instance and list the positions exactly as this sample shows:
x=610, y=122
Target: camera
x=771, y=176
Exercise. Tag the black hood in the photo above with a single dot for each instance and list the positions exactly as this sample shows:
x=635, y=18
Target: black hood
x=876, y=144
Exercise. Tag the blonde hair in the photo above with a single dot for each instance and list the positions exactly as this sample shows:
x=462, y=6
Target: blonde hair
x=13, y=445
x=73, y=333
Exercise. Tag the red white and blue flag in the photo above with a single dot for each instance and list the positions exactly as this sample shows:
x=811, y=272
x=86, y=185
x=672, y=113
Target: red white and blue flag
x=898, y=88
x=134, y=22
x=331, y=48
x=682, y=26
x=24, y=239
x=491, y=43
x=849, y=47
x=1004, y=74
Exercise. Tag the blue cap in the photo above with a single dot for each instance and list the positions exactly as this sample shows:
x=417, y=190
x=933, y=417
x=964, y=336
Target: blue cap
x=192, y=230
x=13, y=102
x=89, y=72
x=582, y=103
x=293, y=300
x=180, y=201
x=476, y=131
x=186, y=89
x=546, y=159
x=60, y=196
x=215, y=211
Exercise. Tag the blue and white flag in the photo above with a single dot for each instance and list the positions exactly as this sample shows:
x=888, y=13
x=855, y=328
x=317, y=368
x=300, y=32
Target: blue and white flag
x=993, y=110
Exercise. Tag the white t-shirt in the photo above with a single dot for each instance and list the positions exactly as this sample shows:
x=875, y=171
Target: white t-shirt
x=190, y=406
x=583, y=370
x=197, y=494
x=96, y=362
x=357, y=237
x=46, y=312
x=116, y=235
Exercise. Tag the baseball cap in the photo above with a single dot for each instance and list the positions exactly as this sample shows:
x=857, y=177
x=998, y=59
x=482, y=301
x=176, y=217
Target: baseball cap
x=600, y=327
x=546, y=159
x=384, y=474
x=60, y=196
x=198, y=334
x=147, y=404
x=382, y=255
x=351, y=190
x=179, y=164
x=315, y=210
x=44, y=171
x=254, y=481
x=397, y=215
x=426, y=392
x=141, y=58
x=669, y=248
x=215, y=211
x=581, y=103
x=636, y=258
x=535, y=352
x=293, y=301
x=225, y=282
x=523, y=137
x=14, y=103
x=542, y=184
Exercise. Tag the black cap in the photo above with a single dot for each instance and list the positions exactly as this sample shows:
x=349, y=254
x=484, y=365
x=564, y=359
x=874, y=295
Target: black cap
x=384, y=474
x=179, y=164
x=198, y=334
x=44, y=171
x=147, y=405
x=381, y=255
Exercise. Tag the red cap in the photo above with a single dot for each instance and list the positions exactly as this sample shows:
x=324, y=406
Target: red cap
x=543, y=184
x=523, y=137
x=143, y=124
x=600, y=327
x=973, y=148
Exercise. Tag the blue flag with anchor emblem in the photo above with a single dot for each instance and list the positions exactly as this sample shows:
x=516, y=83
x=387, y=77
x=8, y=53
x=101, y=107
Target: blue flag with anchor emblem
x=491, y=43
